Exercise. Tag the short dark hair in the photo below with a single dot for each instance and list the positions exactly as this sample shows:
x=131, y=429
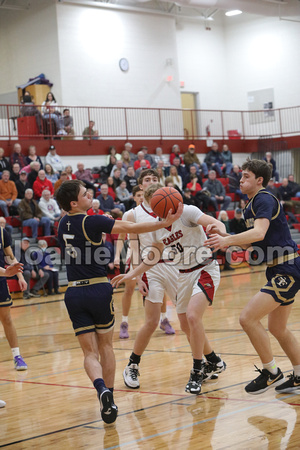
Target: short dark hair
x=147, y=172
x=259, y=168
x=136, y=189
x=66, y=109
x=68, y=192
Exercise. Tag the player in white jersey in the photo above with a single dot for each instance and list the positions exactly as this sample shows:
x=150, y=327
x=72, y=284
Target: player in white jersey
x=199, y=278
x=160, y=278
x=130, y=285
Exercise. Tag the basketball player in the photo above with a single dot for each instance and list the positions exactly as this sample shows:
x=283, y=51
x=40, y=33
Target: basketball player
x=198, y=280
x=8, y=272
x=89, y=295
x=160, y=279
x=6, y=253
x=269, y=234
x=130, y=285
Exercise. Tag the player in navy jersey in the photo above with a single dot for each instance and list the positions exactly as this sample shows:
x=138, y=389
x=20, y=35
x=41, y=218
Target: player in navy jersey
x=7, y=256
x=269, y=235
x=89, y=295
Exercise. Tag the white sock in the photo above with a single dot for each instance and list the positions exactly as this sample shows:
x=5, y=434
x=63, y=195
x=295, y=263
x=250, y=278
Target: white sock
x=15, y=351
x=125, y=319
x=296, y=371
x=271, y=367
x=163, y=316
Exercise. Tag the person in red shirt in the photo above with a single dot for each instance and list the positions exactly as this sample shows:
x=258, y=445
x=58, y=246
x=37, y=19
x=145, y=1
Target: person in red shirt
x=95, y=209
x=175, y=152
x=137, y=163
x=40, y=184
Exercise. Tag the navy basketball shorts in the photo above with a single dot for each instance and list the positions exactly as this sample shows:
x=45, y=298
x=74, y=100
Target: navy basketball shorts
x=283, y=282
x=5, y=298
x=91, y=308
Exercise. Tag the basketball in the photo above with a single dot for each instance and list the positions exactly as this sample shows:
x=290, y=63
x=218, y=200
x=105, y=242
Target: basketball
x=165, y=199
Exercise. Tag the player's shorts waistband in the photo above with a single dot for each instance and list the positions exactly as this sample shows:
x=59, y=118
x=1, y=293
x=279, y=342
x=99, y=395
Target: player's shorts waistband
x=192, y=269
x=282, y=259
x=87, y=282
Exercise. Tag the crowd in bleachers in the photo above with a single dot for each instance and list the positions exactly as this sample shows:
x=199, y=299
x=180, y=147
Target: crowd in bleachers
x=28, y=185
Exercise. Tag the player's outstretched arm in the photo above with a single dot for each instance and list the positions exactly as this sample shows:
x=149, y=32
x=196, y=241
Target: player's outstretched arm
x=212, y=225
x=129, y=227
x=154, y=255
x=248, y=237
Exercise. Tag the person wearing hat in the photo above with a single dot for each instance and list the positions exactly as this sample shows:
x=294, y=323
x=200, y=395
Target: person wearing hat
x=54, y=160
x=190, y=158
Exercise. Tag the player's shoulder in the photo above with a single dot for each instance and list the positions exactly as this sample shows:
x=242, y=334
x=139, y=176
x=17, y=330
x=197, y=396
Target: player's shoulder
x=264, y=197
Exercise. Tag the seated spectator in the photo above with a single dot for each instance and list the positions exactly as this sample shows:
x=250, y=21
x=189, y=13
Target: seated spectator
x=32, y=156
x=140, y=158
x=34, y=170
x=214, y=159
x=227, y=160
x=285, y=195
x=148, y=157
x=242, y=204
x=159, y=156
x=85, y=175
x=63, y=177
x=89, y=132
x=125, y=158
x=177, y=180
x=161, y=175
x=46, y=265
x=175, y=152
x=191, y=175
x=54, y=115
x=190, y=158
x=130, y=179
x=180, y=169
x=31, y=272
x=201, y=197
x=143, y=166
x=234, y=182
x=217, y=191
x=50, y=100
x=118, y=165
x=111, y=188
x=8, y=193
x=187, y=197
x=28, y=108
x=17, y=156
x=68, y=123
x=31, y=215
x=107, y=203
x=237, y=224
x=95, y=209
x=294, y=186
x=22, y=184
x=49, y=207
x=5, y=225
x=124, y=195
x=117, y=177
x=112, y=151
x=4, y=164
x=40, y=184
x=268, y=157
x=50, y=174
x=54, y=160
x=272, y=188
x=14, y=173
x=223, y=217
x=70, y=174
x=128, y=147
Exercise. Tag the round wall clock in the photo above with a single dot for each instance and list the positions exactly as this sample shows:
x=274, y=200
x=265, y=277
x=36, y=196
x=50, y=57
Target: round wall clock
x=124, y=64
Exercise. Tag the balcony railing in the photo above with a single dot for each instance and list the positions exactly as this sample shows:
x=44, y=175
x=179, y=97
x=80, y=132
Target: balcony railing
x=150, y=123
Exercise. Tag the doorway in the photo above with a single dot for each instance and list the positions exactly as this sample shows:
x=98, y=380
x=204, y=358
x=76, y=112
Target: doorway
x=189, y=113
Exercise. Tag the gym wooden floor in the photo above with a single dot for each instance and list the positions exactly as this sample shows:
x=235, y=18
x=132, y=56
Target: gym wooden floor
x=54, y=405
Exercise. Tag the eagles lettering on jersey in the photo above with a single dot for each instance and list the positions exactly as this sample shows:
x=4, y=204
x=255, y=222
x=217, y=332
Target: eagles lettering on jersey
x=80, y=238
x=265, y=205
x=173, y=237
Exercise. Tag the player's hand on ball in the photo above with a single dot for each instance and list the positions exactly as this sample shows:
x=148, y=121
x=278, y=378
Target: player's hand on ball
x=171, y=218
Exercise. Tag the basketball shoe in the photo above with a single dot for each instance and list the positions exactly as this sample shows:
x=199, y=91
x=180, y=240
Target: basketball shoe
x=124, y=331
x=166, y=326
x=108, y=409
x=211, y=370
x=20, y=363
x=194, y=384
x=264, y=381
x=292, y=384
x=2, y=403
x=130, y=375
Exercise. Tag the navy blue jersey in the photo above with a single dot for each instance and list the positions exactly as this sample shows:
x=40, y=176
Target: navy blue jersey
x=5, y=242
x=80, y=238
x=277, y=241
